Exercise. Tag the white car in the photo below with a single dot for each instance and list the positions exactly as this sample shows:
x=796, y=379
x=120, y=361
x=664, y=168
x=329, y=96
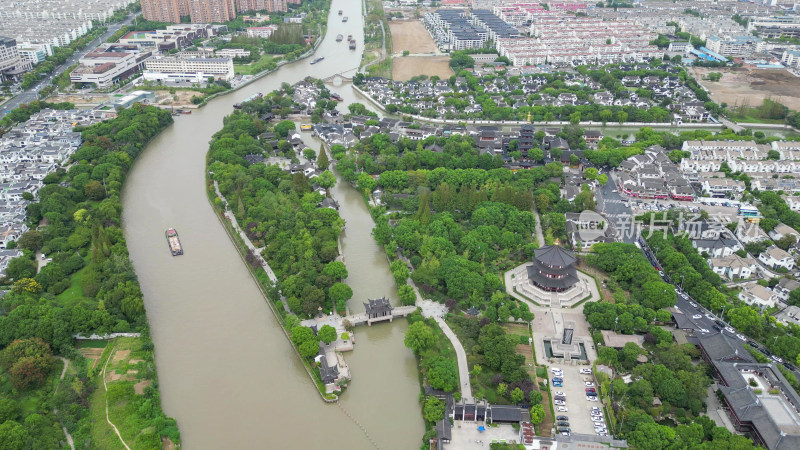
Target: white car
x=703, y=330
x=586, y=371
x=559, y=402
x=560, y=394
x=741, y=337
x=694, y=305
x=598, y=420
x=777, y=359
x=596, y=409
x=730, y=330
x=589, y=384
x=561, y=409
x=591, y=398
x=697, y=316
x=710, y=317
x=555, y=369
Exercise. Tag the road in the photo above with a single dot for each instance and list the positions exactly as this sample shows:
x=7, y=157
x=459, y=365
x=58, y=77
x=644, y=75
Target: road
x=707, y=320
x=32, y=93
x=616, y=208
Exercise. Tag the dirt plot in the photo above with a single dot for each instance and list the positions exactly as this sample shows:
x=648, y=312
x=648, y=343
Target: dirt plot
x=746, y=86
x=404, y=68
x=411, y=36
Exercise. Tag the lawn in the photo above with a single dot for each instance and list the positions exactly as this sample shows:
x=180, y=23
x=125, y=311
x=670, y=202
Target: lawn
x=73, y=294
x=254, y=67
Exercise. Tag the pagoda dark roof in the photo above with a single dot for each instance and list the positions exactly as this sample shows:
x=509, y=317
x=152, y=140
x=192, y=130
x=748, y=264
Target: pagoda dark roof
x=378, y=306
x=327, y=374
x=568, y=279
x=553, y=255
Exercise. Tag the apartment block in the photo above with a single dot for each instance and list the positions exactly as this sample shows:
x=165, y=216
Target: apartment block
x=741, y=45
x=12, y=65
x=164, y=10
x=208, y=11
x=261, y=5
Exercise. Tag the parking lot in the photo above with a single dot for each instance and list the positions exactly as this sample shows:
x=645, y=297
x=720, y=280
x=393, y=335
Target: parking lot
x=580, y=420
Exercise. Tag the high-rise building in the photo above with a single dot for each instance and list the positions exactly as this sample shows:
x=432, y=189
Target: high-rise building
x=208, y=11
x=164, y=10
x=261, y=5
x=12, y=66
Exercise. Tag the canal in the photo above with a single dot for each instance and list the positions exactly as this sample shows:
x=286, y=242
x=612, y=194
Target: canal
x=226, y=371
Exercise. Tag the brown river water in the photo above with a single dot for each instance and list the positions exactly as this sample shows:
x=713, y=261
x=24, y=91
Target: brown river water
x=226, y=371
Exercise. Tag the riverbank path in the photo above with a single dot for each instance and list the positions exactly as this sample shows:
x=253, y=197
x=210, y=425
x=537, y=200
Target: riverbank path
x=256, y=251
x=436, y=310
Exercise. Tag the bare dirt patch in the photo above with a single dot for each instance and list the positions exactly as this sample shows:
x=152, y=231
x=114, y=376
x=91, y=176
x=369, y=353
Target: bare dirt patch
x=92, y=354
x=746, y=86
x=407, y=67
x=119, y=355
x=184, y=98
x=139, y=387
x=83, y=99
x=412, y=36
x=167, y=444
x=135, y=361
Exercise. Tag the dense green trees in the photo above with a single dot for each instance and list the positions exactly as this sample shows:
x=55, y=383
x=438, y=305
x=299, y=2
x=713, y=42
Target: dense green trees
x=419, y=337
x=280, y=214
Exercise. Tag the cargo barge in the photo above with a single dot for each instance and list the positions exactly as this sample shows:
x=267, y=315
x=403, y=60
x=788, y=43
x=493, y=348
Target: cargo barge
x=173, y=242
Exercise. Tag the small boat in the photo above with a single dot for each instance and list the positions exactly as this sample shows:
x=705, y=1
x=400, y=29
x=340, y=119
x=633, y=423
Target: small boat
x=335, y=96
x=248, y=99
x=344, y=19
x=305, y=126
x=349, y=37
x=186, y=111
x=340, y=12
x=317, y=60
x=173, y=242
x=352, y=45
x=339, y=38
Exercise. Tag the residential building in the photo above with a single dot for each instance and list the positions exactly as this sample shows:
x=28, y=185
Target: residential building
x=716, y=248
x=164, y=10
x=210, y=11
x=742, y=45
x=785, y=287
x=749, y=232
x=782, y=230
x=193, y=70
x=791, y=58
x=12, y=65
x=585, y=230
x=261, y=5
x=733, y=266
x=775, y=258
x=788, y=315
x=34, y=53
x=757, y=295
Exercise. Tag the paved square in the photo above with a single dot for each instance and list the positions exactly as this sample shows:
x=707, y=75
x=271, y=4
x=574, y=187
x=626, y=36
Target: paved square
x=465, y=435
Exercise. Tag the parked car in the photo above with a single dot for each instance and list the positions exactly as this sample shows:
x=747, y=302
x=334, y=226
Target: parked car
x=703, y=330
x=563, y=424
x=560, y=394
x=557, y=384
x=562, y=418
x=591, y=398
x=710, y=317
x=589, y=383
x=697, y=316
x=559, y=402
x=730, y=330
x=741, y=337
x=694, y=305
x=562, y=409
x=586, y=371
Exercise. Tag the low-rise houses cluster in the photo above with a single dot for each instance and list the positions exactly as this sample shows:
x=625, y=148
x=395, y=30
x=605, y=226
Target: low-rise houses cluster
x=774, y=166
x=653, y=175
x=458, y=98
x=28, y=152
